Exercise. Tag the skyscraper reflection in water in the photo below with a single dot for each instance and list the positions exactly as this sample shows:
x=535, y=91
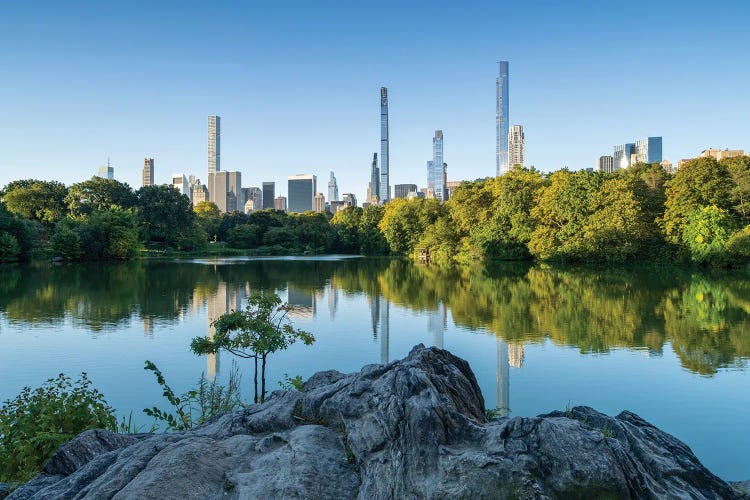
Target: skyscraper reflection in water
x=227, y=298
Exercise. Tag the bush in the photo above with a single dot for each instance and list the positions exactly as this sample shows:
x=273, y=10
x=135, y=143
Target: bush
x=37, y=422
x=66, y=243
x=243, y=236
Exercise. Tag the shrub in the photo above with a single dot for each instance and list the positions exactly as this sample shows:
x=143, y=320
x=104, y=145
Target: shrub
x=38, y=421
x=10, y=250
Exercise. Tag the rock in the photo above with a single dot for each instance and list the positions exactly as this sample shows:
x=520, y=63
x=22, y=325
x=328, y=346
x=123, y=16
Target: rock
x=414, y=428
x=3, y=491
x=743, y=487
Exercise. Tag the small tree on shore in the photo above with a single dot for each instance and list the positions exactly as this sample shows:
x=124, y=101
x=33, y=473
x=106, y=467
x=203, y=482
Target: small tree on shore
x=261, y=329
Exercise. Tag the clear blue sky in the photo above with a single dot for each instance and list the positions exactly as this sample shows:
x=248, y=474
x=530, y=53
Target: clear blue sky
x=297, y=84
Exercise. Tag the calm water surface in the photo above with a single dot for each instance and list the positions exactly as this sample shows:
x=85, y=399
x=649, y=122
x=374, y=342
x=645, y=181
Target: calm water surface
x=669, y=344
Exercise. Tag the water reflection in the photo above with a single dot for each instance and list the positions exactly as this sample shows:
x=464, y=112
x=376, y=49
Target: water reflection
x=704, y=316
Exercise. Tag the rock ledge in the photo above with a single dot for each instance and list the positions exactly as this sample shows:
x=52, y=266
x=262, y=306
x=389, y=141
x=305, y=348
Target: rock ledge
x=414, y=428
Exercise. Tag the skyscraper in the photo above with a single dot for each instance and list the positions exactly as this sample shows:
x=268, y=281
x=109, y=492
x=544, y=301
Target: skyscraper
x=224, y=189
x=374, y=194
x=319, y=203
x=515, y=146
x=402, y=190
x=107, y=172
x=501, y=119
x=646, y=150
x=180, y=183
x=279, y=203
x=605, y=164
x=350, y=199
x=333, y=189
x=436, y=168
x=148, y=172
x=269, y=189
x=302, y=189
x=385, y=187
x=214, y=143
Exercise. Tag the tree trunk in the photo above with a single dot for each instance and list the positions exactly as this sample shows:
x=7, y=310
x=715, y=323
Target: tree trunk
x=255, y=379
x=263, y=381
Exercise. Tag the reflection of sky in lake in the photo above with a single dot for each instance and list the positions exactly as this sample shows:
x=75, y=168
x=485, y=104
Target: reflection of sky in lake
x=354, y=328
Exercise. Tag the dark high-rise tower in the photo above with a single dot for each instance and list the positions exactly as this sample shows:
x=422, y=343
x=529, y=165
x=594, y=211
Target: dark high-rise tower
x=374, y=180
x=269, y=189
x=385, y=186
x=501, y=119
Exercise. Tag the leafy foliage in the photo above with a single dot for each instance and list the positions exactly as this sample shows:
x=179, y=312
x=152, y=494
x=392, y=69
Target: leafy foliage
x=38, y=421
x=197, y=405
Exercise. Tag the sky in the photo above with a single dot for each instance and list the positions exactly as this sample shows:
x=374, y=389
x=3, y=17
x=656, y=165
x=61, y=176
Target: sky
x=297, y=85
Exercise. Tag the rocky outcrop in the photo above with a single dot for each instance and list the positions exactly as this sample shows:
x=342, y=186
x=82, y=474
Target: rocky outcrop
x=414, y=428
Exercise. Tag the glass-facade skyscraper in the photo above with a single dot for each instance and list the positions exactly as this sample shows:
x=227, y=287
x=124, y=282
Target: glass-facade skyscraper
x=384, y=192
x=436, y=168
x=648, y=150
x=501, y=119
x=333, y=189
x=302, y=189
x=214, y=143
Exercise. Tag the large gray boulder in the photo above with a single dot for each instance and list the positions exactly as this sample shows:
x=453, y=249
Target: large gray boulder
x=414, y=428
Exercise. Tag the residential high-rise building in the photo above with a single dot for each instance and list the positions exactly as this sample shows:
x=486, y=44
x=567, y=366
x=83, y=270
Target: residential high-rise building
x=214, y=143
x=719, y=154
x=148, y=172
x=667, y=166
x=403, y=190
x=224, y=189
x=436, y=168
x=333, y=189
x=501, y=119
x=269, y=189
x=279, y=203
x=646, y=150
x=606, y=164
x=301, y=189
x=180, y=183
x=106, y=172
x=373, y=194
x=516, y=145
x=319, y=202
x=384, y=192
x=350, y=199
x=199, y=192
x=451, y=186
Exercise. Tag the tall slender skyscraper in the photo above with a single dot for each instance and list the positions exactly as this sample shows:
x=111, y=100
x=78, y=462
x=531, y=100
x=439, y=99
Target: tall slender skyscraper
x=516, y=145
x=436, y=168
x=148, y=172
x=501, y=119
x=385, y=186
x=214, y=143
x=269, y=189
x=333, y=189
x=374, y=194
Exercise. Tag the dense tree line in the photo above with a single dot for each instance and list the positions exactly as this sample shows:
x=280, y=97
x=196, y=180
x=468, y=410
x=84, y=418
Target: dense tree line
x=98, y=219
x=700, y=214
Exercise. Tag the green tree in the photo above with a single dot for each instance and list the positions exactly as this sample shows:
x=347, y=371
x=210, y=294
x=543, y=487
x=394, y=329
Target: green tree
x=739, y=170
x=43, y=201
x=346, y=222
x=99, y=194
x=208, y=216
x=261, y=329
x=66, y=243
x=404, y=222
x=244, y=236
x=163, y=214
x=707, y=233
x=701, y=182
x=37, y=422
x=16, y=237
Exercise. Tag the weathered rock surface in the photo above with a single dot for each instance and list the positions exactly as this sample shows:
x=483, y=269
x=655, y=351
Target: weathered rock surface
x=415, y=428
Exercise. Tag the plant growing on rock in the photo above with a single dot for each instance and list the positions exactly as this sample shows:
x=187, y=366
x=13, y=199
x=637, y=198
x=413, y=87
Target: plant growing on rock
x=38, y=421
x=261, y=329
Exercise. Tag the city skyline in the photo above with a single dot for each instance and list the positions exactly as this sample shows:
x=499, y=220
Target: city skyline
x=64, y=127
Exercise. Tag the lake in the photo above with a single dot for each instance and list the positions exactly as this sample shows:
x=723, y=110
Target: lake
x=670, y=344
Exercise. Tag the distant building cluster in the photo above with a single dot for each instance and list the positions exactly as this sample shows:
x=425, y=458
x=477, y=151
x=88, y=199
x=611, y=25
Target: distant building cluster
x=648, y=150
